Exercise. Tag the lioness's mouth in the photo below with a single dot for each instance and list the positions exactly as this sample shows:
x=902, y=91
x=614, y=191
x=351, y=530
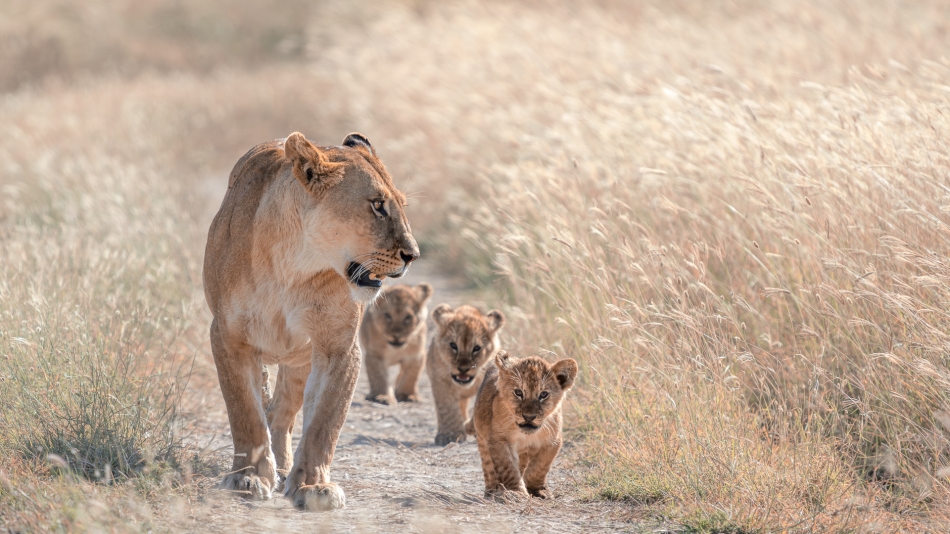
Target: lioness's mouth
x=362, y=277
x=463, y=378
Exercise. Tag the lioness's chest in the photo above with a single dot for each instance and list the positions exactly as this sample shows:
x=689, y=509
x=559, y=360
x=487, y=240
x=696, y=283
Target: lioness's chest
x=287, y=324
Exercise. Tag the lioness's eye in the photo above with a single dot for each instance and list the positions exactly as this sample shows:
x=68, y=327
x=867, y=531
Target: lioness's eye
x=519, y=393
x=454, y=346
x=475, y=349
x=379, y=206
x=543, y=395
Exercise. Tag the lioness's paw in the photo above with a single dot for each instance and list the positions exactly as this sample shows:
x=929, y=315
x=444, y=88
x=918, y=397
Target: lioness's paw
x=250, y=486
x=403, y=397
x=319, y=497
x=444, y=438
x=388, y=400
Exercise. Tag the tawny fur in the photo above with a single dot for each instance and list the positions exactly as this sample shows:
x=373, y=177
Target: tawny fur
x=517, y=422
x=394, y=333
x=475, y=339
x=294, y=218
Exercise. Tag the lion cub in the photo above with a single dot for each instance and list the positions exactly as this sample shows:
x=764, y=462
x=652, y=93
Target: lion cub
x=465, y=342
x=394, y=332
x=517, y=422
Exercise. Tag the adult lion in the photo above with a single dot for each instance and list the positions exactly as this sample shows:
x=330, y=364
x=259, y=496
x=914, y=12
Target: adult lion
x=304, y=237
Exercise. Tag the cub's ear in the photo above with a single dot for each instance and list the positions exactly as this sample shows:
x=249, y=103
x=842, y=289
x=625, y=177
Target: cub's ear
x=496, y=320
x=423, y=293
x=503, y=360
x=359, y=141
x=565, y=371
x=311, y=166
x=442, y=314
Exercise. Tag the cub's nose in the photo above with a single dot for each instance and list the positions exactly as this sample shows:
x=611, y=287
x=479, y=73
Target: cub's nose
x=529, y=418
x=463, y=368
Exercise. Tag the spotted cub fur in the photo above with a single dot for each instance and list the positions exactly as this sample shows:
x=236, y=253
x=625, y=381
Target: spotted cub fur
x=517, y=422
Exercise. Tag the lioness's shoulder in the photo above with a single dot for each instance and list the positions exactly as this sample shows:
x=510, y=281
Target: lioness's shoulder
x=262, y=161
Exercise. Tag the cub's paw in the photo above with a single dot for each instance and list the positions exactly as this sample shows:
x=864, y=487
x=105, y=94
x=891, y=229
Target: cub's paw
x=387, y=400
x=541, y=493
x=250, y=486
x=407, y=397
x=444, y=438
x=319, y=497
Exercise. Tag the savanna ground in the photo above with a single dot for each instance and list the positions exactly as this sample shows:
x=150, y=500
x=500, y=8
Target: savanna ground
x=735, y=216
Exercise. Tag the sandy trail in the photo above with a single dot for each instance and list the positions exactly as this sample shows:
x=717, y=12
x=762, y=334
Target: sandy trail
x=394, y=476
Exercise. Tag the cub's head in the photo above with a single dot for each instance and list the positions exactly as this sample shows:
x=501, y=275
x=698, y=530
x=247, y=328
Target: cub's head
x=466, y=339
x=400, y=311
x=532, y=388
x=352, y=214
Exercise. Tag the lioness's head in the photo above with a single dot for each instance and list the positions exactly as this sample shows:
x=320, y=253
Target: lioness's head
x=467, y=339
x=353, y=214
x=532, y=388
x=400, y=311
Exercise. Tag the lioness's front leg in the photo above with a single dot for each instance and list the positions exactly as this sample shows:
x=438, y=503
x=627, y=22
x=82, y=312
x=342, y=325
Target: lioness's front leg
x=253, y=471
x=288, y=398
x=327, y=398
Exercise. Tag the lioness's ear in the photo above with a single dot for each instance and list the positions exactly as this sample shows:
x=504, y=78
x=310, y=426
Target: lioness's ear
x=565, y=371
x=496, y=320
x=311, y=167
x=358, y=140
x=503, y=360
x=423, y=292
x=441, y=314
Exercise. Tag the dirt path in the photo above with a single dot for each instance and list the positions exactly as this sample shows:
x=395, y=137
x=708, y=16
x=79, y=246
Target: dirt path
x=395, y=478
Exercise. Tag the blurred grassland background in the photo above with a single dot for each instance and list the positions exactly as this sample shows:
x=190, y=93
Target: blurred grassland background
x=735, y=215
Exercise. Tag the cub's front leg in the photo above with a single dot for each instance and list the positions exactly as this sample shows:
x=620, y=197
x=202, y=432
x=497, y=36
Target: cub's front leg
x=451, y=421
x=378, y=373
x=504, y=460
x=327, y=398
x=537, y=468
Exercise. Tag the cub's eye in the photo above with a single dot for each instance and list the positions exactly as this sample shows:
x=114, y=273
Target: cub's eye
x=455, y=347
x=379, y=206
x=543, y=395
x=519, y=393
x=475, y=349
x=407, y=320
x=388, y=317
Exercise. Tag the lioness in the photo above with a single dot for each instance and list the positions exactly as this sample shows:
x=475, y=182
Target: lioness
x=517, y=422
x=303, y=239
x=394, y=332
x=465, y=341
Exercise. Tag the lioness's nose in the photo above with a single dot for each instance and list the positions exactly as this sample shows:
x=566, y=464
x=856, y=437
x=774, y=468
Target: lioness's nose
x=409, y=256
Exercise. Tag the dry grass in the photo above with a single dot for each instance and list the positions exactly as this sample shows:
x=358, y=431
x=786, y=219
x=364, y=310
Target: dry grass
x=734, y=216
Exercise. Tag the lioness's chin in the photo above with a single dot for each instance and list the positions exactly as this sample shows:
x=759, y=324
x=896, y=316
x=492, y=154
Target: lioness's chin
x=364, y=294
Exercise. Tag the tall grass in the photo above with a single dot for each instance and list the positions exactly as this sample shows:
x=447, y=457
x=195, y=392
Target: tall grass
x=756, y=286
